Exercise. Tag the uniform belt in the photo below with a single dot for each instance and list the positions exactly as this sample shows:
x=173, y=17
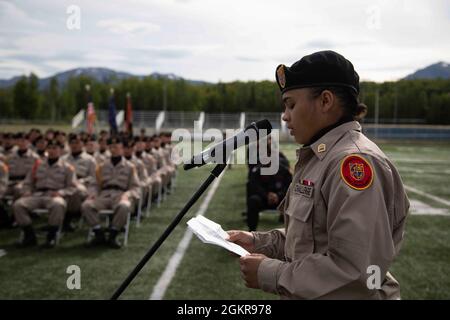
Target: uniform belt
x=114, y=188
x=17, y=177
x=46, y=189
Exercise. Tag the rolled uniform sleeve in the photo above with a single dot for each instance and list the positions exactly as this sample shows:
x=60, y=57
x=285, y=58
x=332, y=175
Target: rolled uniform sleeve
x=91, y=180
x=133, y=184
x=70, y=182
x=270, y=243
x=3, y=178
x=359, y=225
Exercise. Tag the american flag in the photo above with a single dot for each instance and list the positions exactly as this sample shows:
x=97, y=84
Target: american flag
x=129, y=116
x=91, y=117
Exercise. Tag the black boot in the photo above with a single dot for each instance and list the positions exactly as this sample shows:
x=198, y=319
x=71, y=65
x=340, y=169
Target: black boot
x=113, y=242
x=67, y=224
x=29, y=237
x=51, y=237
x=99, y=238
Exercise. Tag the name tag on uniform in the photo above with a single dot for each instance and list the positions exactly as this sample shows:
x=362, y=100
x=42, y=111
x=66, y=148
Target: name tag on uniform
x=305, y=188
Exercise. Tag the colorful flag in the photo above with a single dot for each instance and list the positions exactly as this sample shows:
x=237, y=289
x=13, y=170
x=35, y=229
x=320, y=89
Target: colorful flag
x=129, y=116
x=90, y=112
x=112, y=114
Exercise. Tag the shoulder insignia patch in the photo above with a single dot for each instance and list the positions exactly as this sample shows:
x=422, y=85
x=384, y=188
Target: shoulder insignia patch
x=356, y=172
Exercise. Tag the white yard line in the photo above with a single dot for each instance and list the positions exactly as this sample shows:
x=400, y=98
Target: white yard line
x=427, y=195
x=164, y=281
x=2, y=253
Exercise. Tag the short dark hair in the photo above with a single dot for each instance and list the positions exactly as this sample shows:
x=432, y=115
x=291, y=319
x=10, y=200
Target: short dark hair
x=348, y=98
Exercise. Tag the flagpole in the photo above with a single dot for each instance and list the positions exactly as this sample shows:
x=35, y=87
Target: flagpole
x=87, y=87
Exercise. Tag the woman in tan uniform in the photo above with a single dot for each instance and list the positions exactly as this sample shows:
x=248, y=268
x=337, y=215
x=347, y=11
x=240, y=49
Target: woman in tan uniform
x=345, y=209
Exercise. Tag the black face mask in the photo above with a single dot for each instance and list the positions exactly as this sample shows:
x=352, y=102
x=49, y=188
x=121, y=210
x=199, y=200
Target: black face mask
x=41, y=152
x=90, y=153
x=21, y=152
x=128, y=158
x=76, y=154
x=138, y=154
x=52, y=161
x=116, y=160
x=7, y=148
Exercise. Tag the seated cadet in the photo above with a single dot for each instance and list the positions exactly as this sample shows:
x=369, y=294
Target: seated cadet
x=266, y=191
x=167, y=151
x=40, y=147
x=118, y=184
x=45, y=187
x=8, y=144
x=102, y=154
x=19, y=163
x=84, y=165
x=150, y=164
x=158, y=153
x=90, y=146
x=144, y=180
x=5, y=220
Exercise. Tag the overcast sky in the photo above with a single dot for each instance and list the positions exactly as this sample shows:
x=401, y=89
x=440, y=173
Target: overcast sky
x=221, y=40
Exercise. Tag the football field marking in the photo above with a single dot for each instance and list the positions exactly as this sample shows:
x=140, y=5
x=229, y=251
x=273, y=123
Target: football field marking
x=164, y=281
x=421, y=208
x=427, y=195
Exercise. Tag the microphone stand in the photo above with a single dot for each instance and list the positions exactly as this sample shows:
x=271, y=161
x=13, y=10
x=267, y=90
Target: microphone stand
x=214, y=174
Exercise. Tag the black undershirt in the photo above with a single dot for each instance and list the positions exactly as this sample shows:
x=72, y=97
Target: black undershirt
x=325, y=130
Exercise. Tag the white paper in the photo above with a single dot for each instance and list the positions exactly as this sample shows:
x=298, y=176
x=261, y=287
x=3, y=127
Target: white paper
x=210, y=232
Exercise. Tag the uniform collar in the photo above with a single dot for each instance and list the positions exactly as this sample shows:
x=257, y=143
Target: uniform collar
x=324, y=144
x=56, y=164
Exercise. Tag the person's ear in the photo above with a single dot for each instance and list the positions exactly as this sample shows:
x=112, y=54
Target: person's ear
x=327, y=100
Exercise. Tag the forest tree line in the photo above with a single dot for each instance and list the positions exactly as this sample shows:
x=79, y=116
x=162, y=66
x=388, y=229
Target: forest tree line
x=426, y=100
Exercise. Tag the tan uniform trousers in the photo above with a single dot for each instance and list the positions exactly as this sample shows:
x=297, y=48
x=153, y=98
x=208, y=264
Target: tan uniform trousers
x=156, y=182
x=107, y=201
x=24, y=206
x=75, y=201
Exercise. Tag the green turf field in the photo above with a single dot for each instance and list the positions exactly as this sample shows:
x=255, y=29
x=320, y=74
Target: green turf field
x=209, y=272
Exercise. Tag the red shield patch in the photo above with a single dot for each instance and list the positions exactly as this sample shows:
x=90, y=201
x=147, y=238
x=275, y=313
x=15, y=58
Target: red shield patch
x=356, y=172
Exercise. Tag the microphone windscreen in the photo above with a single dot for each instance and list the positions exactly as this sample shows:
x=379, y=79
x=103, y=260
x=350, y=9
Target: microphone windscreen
x=264, y=124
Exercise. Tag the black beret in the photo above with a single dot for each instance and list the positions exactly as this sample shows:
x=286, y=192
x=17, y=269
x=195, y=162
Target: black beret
x=128, y=143
x=39, y=137
x=73, y=137
x=323, y=68
x=54, y=143
x=113, y=140
x=19, y=135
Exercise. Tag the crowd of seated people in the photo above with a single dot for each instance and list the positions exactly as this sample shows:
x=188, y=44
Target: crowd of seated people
x=75, y=176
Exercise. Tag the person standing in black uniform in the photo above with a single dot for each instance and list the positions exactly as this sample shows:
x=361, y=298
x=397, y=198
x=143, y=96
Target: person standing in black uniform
x=266, y=191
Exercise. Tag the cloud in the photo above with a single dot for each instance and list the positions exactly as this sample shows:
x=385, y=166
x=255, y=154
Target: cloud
x=222, y=39
x=12, y=15
x=123, y=26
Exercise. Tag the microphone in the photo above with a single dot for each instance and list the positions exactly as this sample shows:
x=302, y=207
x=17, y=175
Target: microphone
x=238, y=140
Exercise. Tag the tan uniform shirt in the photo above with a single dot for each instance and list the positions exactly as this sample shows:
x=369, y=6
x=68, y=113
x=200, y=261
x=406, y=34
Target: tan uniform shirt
x=44, y=178
x=335, y=229
x=20, y=165
x=141, y=171
x=121, y=178
x=102, y=157
x=85, y=167
x=149, y=162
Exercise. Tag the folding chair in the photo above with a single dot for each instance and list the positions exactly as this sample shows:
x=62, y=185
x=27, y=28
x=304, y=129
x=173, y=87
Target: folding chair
x=139, y=213
x=149, y=201
x=108, y=214
x=159, y=199
x=40, y=212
